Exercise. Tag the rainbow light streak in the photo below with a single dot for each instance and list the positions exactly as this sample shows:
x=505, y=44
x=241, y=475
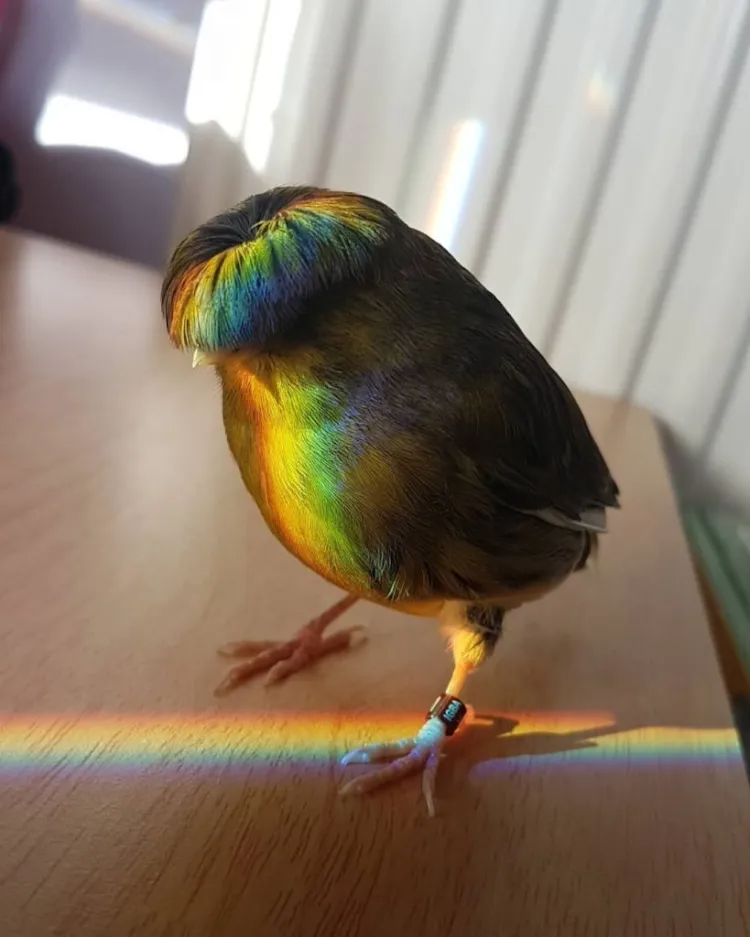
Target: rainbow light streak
x=137, y=744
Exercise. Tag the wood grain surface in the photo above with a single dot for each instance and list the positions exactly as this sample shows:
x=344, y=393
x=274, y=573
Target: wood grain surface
x=600, y=792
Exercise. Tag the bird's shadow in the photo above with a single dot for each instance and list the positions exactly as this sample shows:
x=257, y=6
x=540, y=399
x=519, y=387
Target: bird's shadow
x=492, y=738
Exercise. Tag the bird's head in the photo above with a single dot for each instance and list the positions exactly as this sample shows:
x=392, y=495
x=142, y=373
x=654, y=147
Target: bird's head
x=236, y=284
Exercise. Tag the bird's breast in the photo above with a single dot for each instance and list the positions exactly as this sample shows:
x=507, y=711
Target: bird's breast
x=288, y=442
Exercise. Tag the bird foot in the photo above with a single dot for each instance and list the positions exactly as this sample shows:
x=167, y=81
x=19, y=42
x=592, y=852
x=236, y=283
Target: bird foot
x=406, y=757
x=279, y=659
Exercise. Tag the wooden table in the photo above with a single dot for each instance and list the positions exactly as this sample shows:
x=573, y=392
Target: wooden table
x=603, y=794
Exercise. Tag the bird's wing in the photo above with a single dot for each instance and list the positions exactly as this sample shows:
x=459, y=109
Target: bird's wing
x=478, y=483
x=510, y=420
x=533, y=449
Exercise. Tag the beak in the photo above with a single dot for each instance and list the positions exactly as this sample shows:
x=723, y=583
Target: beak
x=201, y=358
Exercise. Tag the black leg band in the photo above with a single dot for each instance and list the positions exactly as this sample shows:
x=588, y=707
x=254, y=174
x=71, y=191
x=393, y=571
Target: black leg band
x=449, y=710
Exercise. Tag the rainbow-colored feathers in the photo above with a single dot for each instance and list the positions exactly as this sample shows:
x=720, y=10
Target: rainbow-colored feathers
x=237, y=281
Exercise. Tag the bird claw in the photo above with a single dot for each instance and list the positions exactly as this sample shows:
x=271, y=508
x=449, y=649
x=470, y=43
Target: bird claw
x=373, y=754
x=405, y=757
x=280, y=659
x=245, y=648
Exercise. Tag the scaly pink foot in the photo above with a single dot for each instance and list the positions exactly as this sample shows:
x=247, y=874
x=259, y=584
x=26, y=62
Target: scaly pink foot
x=411, y=755
x=280, y=659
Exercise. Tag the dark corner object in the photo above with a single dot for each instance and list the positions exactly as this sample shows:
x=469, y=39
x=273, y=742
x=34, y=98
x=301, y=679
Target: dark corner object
x=10, y=194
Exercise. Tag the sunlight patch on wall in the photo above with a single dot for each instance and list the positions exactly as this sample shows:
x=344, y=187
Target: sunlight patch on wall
x=241, y=61
x=68, y=121
x=455, y=180
x=268, y=85
x=225, y=55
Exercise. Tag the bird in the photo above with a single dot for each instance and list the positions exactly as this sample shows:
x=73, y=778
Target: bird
x=399, y=433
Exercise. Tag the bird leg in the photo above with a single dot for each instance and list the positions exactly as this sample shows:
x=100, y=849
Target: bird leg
x=280, y=659
x=406, y=756
x=472, y=640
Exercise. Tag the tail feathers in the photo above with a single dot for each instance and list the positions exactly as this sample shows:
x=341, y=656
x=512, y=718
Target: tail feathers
x=241, y=278
x=593, y=520
x=590, y=551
